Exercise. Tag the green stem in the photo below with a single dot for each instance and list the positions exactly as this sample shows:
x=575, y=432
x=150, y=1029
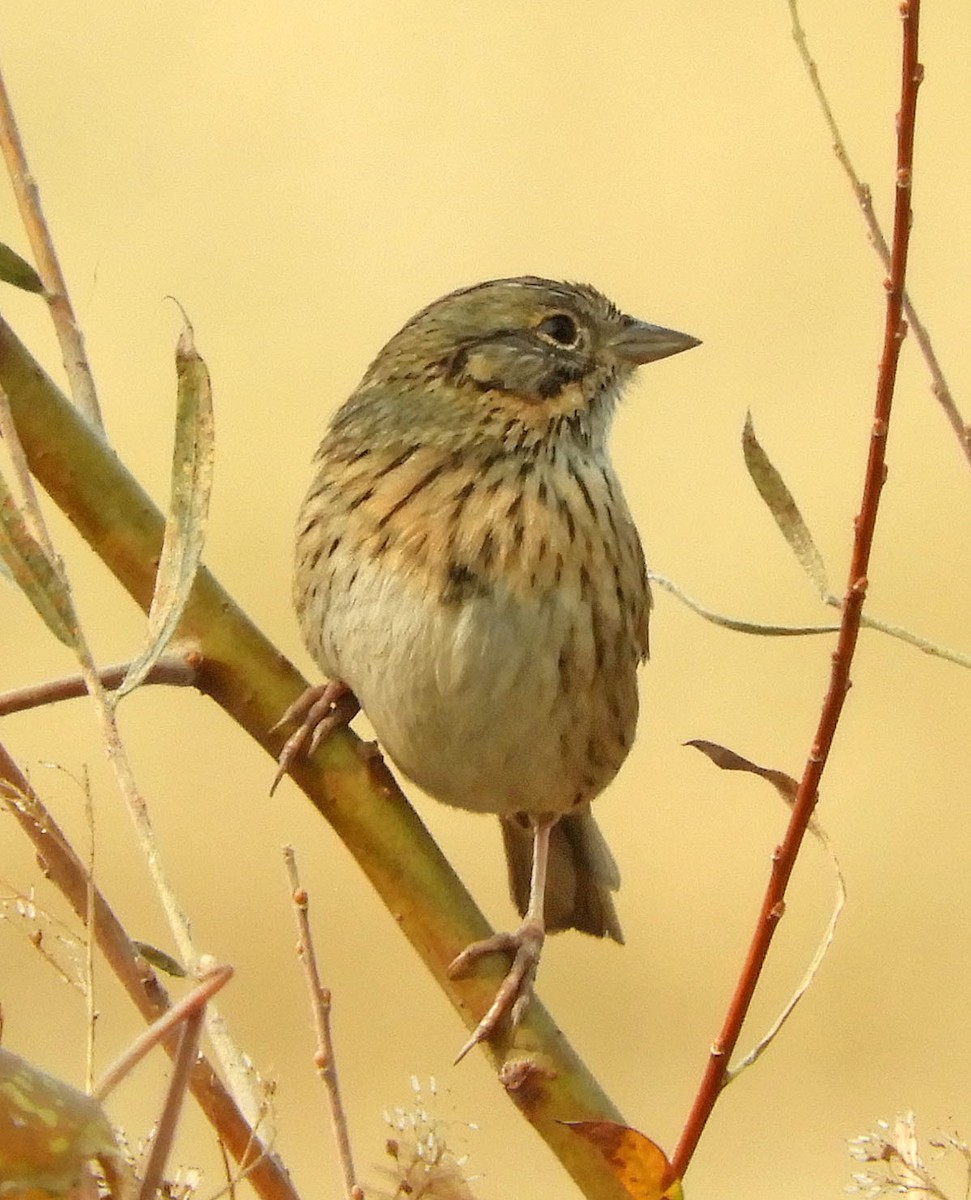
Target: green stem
x=348, y=784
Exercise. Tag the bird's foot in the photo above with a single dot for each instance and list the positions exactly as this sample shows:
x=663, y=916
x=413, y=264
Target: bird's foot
x=516, y=990
x=320, y=710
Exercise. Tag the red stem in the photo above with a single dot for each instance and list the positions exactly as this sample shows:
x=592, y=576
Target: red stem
x=784, y=858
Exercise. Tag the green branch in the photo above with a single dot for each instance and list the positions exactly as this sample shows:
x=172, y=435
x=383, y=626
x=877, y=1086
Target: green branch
x=347, y=783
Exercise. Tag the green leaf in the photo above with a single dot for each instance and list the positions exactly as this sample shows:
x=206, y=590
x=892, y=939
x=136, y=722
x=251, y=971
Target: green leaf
x=19, y=272
x=50, y=1132
x=33, y=571
x=185, y=524
x=160, y=960
x=783, y=508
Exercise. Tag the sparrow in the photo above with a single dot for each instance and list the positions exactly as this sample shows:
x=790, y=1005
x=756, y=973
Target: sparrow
x=467, y=571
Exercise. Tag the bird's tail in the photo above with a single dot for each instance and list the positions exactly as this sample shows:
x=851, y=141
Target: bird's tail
x=581, y=875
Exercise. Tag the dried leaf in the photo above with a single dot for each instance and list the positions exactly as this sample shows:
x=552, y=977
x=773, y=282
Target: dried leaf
x=637, y=1163
x=19, y=272
x=783, y=508
x=50, y=1132
x=185, y=525
x=33, y=571
x=728, y=760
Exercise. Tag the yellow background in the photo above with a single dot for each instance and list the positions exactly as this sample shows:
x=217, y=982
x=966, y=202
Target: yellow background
x=303, y=177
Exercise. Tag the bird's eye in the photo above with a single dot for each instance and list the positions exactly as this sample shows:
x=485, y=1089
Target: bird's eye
x=560, y=328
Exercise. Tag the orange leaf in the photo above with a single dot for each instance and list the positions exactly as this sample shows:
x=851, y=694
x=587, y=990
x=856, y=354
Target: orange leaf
x=637, y=1163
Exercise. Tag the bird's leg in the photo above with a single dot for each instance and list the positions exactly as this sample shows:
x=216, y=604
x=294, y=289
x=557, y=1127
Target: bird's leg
x=526, y=945
x=320, y=710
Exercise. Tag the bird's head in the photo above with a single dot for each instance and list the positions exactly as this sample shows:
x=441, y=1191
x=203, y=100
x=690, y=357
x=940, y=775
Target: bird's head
x=513, y=354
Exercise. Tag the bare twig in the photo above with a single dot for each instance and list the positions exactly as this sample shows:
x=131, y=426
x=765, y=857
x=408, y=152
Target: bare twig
x=89, y=991
x=188, y=1013
x=320, y=1007
x=55, y=289
x=213, y=980
x=174, y=670
x=939, y=385
x=105, y=707
x=169, y=1119
x=67, y=872
x=784, y=858
x=86, y=400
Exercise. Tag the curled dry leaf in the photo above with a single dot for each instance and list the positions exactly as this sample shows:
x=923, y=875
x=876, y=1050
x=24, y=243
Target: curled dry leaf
x=639, y=1166
x=185, y=524
x=728, y=760
x=33, y=572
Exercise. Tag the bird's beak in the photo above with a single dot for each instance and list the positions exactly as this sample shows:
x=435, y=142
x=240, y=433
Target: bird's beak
x=639, y=342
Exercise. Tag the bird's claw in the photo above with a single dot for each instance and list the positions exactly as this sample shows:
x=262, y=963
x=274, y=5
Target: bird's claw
x=516, y=990
x=319, y=710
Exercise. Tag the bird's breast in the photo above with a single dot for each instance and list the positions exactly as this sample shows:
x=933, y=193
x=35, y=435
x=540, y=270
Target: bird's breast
x=490, y=622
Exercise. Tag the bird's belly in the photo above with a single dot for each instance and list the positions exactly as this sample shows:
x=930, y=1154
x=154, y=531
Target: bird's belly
x=493, y=703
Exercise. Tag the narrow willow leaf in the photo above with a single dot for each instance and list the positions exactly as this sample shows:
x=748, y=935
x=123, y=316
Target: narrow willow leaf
x=33, y=572
x=185, y=524
x=160, y=960
x=19, y=272
x=739, y=626
x=783, y=508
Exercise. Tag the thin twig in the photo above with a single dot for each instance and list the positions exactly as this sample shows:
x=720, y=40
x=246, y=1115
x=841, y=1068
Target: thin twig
x=82, y=386
x=233, y=1062
x=213, y=980
x=168, y=1121
x=784, y=858
x=175, y=671
x=91, y=682
x=66, y=871
x=864, y=197
x=241, y=1174
x=38, y=927
x=69, y=335
x=320, y=1007
x=89, y=990
x=105, y=706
